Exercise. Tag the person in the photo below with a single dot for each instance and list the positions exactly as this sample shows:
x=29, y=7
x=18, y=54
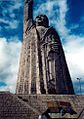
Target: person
x=45, y=115
x=42, y=117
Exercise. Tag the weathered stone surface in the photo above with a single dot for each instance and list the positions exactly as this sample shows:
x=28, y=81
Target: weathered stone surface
x=31, y=106
x=11, y=107
x=43, y=68
x=39, y=102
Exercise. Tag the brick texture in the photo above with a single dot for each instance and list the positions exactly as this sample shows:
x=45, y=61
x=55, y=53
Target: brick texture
x=31, y=106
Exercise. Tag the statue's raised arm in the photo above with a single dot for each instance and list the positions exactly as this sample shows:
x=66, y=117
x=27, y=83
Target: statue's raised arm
x=29, y=9
x=28, y=14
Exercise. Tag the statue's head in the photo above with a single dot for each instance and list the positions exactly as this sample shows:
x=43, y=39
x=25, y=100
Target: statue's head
x=42, y=20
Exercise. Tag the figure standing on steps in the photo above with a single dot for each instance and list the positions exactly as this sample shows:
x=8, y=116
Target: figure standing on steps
x=44, y=66
x=45, y=115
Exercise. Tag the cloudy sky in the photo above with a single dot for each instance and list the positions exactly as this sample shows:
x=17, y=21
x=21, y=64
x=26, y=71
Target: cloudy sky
x=66, y=16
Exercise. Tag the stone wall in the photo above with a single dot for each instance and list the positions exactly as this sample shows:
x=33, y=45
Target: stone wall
x=39, y=102
x=12, y=107
x=31, y=106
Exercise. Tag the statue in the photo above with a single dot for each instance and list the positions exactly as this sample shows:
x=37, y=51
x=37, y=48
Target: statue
x=54, y=77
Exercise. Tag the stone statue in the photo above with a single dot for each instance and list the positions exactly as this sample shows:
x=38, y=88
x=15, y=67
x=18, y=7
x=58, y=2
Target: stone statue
x=48, y=72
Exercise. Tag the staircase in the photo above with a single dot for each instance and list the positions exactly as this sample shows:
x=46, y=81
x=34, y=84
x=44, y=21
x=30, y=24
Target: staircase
x=31, y=106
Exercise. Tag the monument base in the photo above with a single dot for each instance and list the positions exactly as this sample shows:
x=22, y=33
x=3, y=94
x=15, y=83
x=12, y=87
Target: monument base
x=13, y=106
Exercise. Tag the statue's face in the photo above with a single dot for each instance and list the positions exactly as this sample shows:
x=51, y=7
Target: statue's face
x=41, y=20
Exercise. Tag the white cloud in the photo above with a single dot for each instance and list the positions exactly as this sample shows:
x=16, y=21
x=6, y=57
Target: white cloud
x=74, y=50
x=10, y=24
x=74, y=26
x=9, y=60
x=4, y=21
x=46, y=8
x=9, y=11
x=13, y=24
x=16, y=4
x=61, y=22
x=56, y=11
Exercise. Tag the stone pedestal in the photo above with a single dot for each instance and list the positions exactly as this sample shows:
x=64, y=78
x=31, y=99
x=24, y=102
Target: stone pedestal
x=31, y=106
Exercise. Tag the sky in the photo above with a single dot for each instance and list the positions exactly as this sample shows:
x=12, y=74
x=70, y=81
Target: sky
x=66, y=16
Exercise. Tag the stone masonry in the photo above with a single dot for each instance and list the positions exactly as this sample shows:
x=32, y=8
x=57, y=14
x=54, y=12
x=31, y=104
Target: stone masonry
x=31, y=106
x=43, y=68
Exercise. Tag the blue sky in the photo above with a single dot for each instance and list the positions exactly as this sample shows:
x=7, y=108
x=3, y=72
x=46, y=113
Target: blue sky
x=66, y=16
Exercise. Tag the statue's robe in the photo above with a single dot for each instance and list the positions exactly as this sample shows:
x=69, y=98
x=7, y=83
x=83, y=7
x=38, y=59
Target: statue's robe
x=43, y=69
